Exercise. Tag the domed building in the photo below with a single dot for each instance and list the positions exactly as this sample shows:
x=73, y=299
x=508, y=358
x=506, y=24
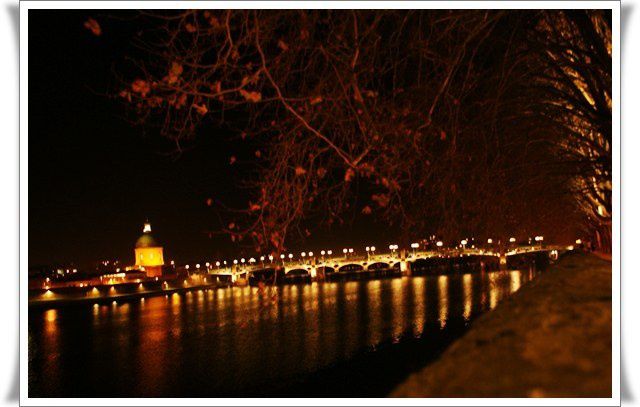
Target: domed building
x=149, y=253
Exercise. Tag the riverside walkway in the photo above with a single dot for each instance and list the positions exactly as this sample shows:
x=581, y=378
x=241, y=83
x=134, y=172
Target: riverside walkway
x=552, y=338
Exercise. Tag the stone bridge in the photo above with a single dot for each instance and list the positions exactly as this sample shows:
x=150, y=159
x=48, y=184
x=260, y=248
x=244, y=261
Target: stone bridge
x=402, y=261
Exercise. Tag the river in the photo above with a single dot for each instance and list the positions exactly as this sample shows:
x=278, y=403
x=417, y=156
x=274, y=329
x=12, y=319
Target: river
x=343, y=338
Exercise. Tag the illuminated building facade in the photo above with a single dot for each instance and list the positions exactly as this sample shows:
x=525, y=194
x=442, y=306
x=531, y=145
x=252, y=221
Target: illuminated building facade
x=148, y=253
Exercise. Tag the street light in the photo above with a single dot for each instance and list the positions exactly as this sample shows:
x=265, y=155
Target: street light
x=310, y=254
x=439, y=243
x=489, y=241
x=330, y=252
x=512, y=240
x=414, y=246
x=464, y=242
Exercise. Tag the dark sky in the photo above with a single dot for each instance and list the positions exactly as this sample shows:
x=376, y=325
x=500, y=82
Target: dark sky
x=94, y=177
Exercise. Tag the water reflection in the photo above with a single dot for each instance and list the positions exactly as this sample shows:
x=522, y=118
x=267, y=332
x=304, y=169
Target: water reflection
x=443, y=295
x=467, y=282
x=241, y=340
x=515, y=280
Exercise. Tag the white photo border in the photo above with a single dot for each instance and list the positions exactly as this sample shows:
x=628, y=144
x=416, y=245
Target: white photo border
x=25, y=6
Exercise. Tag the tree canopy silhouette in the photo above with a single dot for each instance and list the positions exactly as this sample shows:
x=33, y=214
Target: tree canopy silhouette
x=481, y=122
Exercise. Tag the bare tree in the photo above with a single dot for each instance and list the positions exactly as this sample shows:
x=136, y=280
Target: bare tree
x=575, y=50
x=420, y=118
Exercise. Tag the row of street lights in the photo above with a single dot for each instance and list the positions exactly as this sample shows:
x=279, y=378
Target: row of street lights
x=346, y=251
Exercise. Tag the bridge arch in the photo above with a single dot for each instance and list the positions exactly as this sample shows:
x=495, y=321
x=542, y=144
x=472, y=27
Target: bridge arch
x=351, y=267
x=421, y=264
x=297, y=272
x=326, y=269
x=379, y=265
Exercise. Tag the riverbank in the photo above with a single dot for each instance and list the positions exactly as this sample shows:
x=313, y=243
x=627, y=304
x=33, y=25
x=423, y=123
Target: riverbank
x=550, y=339
x=63, y=302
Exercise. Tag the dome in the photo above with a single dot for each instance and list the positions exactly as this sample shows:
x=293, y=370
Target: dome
x=146, y=240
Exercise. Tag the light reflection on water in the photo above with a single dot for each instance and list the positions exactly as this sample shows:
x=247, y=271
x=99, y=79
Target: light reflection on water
x=227, y=340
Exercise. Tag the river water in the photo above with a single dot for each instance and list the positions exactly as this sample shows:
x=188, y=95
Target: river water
x=346, y=338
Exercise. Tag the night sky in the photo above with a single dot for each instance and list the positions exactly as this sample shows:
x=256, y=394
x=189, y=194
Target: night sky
x=94, y=177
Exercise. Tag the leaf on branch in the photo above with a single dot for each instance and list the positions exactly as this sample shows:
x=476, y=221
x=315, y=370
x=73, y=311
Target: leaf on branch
x=381, y=199
x=258, y=154
x=316, y=100
x=201, y=109
x=321, y=172
x=190, y=28
x=349, y=174
x=232, y=159
x=283, y=45
x=174, y=73
x=213, y=21
x=366, y=169
x=181, y=101
x=300, y=171
x=231, y=225
x=251, y=96
x=125, y=94
x=209, y=201
x=366, y=210
x=141, y=86
x=357, y=95
x=443, y=135
x=93, y=26
x=275, y=240
x=216, y=87
x=254, y=207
